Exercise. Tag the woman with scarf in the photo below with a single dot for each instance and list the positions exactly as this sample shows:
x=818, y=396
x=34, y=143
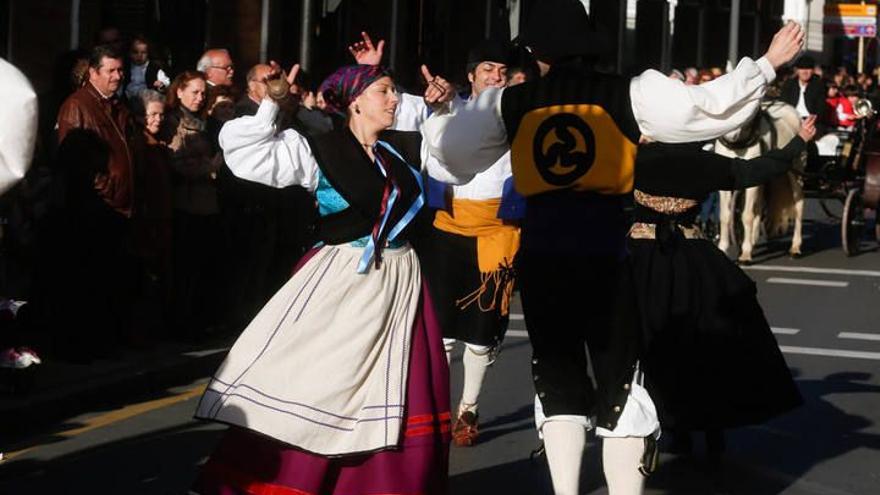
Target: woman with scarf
x=340, y=384
x=198, y=228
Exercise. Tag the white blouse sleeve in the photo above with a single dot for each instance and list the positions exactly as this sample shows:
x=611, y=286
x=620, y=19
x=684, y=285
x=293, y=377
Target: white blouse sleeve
x=438, y=171
x=471, y=138
x=255, y=152
x=18, y=117
x=412, y=111
x=669, y=111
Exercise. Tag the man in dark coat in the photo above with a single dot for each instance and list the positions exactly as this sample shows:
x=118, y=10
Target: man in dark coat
x=96, y=274
x=805, y=91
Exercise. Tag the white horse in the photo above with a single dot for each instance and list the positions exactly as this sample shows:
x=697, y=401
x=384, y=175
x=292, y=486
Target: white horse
x=772, y=128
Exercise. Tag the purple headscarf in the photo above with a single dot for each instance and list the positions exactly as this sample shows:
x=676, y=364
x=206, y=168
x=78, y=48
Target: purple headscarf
x=347, y=83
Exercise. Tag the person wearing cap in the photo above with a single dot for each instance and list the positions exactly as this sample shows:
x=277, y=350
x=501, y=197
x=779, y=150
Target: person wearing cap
x=805, y=91
x=573, y=137
x=470, y=252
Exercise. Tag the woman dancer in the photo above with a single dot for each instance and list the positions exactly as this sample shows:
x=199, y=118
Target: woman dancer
x=340, y=383
x=711, y=361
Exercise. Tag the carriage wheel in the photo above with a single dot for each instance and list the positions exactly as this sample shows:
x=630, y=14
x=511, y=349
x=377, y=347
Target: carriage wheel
x=737, y=200
x=852, y=223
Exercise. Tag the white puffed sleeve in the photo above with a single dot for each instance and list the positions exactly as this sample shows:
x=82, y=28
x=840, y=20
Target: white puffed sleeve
x=669, y=111
x=472, y=137
x=18, y=116
x=412, y=111
x=255, y=152
x=438, y=171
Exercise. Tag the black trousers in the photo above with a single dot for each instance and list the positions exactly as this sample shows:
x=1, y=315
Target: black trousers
x=449, y=262
x=578, y=307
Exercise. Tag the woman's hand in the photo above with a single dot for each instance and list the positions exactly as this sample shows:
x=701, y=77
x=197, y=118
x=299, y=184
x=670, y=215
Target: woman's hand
x=365, y=53
x=808, y=129
x=439, y=90
x=786, y=44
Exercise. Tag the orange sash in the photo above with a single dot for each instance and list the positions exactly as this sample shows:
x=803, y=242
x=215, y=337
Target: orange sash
x=497, y=245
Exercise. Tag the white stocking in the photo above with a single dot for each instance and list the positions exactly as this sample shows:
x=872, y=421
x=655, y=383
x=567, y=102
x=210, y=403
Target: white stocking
x=621, y=458
x=564, y=444
x=476, y=361
x=449, y=345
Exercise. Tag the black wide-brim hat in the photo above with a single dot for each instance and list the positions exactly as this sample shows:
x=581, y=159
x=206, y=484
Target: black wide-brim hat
x=805, y=62
x=491, y=50
x=556, y=29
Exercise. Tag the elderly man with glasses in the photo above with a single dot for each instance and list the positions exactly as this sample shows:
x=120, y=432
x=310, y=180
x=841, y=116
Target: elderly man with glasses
x=216, y=64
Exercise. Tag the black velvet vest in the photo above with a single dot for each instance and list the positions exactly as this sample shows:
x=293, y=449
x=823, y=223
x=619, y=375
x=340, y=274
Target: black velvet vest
x=348, y=168
x=572, y=129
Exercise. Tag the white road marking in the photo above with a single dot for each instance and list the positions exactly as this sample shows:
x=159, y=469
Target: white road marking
x=786, y=349
x=807, y=269
x=785, y=331
x=517, y=317
x=804, y=281
x=815, y=351
x=859, y=336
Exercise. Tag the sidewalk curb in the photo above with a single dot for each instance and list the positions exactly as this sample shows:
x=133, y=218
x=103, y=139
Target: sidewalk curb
x=107, y=389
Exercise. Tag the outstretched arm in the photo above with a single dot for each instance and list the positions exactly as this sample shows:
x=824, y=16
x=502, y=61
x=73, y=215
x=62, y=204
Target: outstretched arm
x=757, y=171
x=473, y=138
x=685, y=171
x=255, y=152
x=667, y=110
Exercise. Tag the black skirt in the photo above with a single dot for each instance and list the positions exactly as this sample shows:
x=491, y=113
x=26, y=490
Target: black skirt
x=710, y=358
x=452, y=272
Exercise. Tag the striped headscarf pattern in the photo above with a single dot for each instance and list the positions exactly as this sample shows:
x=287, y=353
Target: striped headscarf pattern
x=347, y=83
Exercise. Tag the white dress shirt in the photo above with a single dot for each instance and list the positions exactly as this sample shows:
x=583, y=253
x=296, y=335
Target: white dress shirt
x=802, y=101
x=412, y=113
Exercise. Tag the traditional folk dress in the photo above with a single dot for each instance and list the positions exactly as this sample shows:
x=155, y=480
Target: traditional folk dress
x=711, y=360
x=340, y=383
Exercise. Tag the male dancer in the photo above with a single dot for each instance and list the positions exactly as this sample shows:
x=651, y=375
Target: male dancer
x=469, y=257
x=573, y=135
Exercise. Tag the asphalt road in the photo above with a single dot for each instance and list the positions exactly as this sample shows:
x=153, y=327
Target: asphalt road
x=825, y=310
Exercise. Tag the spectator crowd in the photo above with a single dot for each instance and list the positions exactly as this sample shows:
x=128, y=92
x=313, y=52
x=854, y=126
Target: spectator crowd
x=130, y=229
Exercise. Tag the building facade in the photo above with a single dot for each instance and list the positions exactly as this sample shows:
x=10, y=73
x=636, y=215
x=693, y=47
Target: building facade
x=642, y=33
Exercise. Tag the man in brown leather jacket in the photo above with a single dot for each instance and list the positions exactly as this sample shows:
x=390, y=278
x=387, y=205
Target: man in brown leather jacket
x=96, y=277
x=96, y=112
